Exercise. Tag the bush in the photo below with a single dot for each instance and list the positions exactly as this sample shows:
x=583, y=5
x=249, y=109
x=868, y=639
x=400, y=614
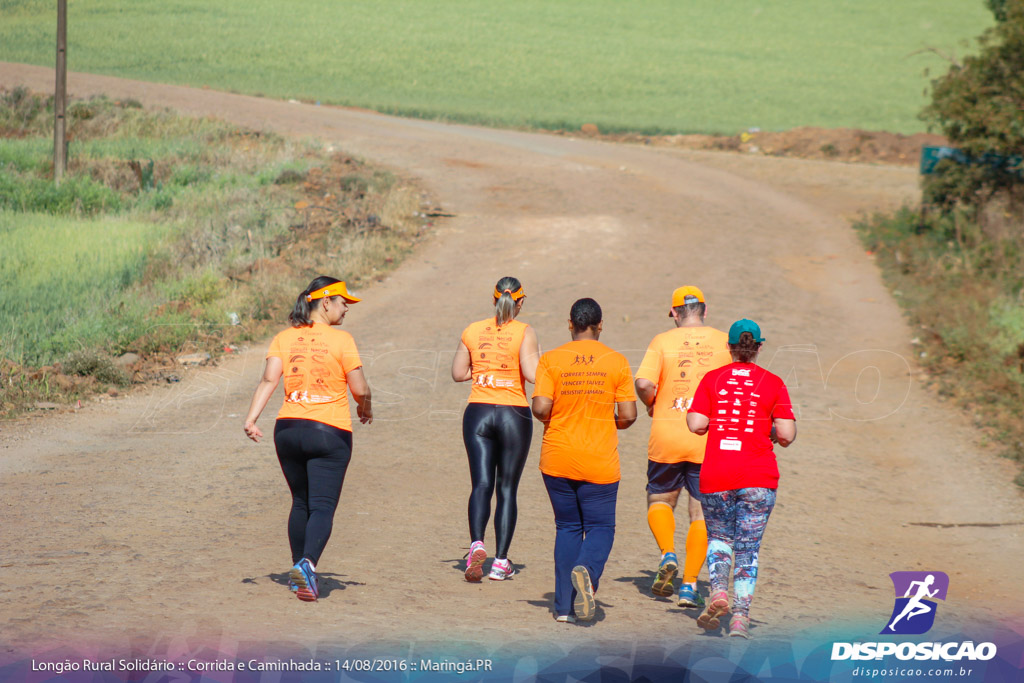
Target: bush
x=93, y=364
x=963, y=292
x=979, y=106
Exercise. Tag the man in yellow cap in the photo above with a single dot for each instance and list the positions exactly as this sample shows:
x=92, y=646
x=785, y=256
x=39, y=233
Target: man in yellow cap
x=671, y=369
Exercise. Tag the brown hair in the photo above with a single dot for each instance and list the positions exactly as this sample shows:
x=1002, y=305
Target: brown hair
x=687, y=310
x=746, y=349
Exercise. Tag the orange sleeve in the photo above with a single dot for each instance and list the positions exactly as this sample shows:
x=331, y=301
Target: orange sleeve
x=650, y=366
x=624, y=390
x=349, y=355
x=275, y=348
x=545, y=385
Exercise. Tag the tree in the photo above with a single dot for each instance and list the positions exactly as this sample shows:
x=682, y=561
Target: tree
x=979, y=106
x=998, y=8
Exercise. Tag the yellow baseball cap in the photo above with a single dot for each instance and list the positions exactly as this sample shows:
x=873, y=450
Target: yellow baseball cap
x=687, y=295
x=337, y=289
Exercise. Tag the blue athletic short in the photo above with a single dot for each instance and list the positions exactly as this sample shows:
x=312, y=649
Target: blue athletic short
x=667, y=477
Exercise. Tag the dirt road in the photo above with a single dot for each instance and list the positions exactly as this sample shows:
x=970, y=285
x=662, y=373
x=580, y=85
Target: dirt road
x=151, y=524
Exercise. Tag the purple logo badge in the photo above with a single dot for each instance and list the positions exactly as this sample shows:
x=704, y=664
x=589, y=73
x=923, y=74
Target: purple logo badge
x=916, y=592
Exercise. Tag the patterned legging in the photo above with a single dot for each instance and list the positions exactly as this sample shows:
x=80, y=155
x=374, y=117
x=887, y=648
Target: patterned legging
x=736, y=521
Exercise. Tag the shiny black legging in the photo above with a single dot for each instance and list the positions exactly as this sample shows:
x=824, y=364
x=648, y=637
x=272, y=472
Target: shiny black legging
x=497, y=443
x=314, y=457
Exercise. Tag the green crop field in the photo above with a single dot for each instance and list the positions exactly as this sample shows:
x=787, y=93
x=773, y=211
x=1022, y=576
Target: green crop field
x=59, y=299
x=150, y=241
x=653, y=66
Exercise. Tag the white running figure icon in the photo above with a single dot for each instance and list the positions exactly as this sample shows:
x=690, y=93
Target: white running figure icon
x=915, y=606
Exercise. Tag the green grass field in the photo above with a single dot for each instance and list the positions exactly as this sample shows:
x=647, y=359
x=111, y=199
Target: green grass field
x=58, y=300
x=112, y=262
x=659, y=66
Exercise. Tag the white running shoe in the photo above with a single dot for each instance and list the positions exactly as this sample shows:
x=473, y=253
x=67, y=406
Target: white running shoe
x=501, y=570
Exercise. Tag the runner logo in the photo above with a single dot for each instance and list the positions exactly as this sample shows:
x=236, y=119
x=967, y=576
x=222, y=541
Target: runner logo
x=681, y=404
x=914, y=612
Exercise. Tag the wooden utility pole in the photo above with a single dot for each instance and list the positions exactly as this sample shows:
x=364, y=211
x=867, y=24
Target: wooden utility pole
x=60, y=145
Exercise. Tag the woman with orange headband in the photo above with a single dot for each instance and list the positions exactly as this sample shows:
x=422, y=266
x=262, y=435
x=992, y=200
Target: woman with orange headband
x=500, y=355
x=313, y=433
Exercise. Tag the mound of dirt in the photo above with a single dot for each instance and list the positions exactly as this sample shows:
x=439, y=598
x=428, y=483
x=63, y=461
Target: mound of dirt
x=837, y=144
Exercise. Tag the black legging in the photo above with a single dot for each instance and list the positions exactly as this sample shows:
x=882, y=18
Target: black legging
x=314, y=457
x=497, y=443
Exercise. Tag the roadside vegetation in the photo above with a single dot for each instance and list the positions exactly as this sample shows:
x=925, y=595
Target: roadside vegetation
x=958, y=261
x=168, y=235
x=656, y=67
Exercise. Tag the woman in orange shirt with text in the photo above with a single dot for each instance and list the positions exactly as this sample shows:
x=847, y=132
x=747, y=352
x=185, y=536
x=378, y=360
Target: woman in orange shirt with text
x=500, y=355
x=313, y=432
x=584, y=393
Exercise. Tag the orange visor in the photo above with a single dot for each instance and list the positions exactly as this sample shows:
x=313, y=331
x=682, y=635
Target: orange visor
x=516, y=295
x=337, y=289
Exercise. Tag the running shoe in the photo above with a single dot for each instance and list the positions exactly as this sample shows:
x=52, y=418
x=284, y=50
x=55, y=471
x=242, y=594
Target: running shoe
x=475, y=562
x=739, y=626
x=585, y=604
x=667, y=571
x=718, y=606
x=689, y=597
x=501, y=570
x=304, y=577
x=565, y=619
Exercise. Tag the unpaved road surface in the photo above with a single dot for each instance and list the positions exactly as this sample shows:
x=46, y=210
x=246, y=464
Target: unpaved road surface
x=149, y=524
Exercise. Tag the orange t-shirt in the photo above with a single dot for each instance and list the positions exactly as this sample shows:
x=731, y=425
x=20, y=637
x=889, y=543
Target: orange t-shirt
x=316, y=360
x=675, y=362
x=494, y=356
x=584, y=379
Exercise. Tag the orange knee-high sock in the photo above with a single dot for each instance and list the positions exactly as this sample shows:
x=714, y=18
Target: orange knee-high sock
x=662, y=519
x=696, y=550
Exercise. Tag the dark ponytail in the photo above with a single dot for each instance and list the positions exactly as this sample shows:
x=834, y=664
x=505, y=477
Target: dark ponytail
x=299, y=317
x=746, y=349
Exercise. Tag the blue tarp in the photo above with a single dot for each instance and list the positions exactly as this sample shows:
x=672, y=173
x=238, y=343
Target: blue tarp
x=931, y=156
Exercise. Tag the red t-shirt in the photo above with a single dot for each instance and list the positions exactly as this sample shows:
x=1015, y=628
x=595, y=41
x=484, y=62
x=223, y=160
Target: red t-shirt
x=740, y=400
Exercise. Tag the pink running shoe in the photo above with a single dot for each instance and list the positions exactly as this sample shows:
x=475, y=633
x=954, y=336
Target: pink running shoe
x=501, y=570
x=739, y=626
x=475, y=562
x=718, y=605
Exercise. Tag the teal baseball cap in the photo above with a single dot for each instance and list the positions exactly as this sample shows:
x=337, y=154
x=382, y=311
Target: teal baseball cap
x=744, y=325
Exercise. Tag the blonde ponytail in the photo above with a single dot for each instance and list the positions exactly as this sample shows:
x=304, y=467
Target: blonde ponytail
x=505, y=303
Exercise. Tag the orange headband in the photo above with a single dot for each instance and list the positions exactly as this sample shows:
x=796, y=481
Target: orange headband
x=337, y=289
x=516, y=295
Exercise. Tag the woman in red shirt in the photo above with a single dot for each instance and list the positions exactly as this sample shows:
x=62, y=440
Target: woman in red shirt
x=743, y=409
